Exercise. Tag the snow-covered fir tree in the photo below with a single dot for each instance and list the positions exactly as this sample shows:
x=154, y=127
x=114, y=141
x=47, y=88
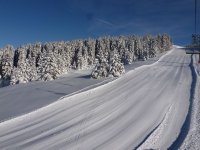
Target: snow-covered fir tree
x=101, y=70
x=166, y=42
x=90, y=46
x=139, y=51
x=116, y=67
x=47, y=64
x=6, y=64
x=19, y=71
x=129, y=55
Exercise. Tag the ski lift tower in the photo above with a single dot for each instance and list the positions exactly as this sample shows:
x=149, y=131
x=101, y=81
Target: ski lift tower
x=194, y=47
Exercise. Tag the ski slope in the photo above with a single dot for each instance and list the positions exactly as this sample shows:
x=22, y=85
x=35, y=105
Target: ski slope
x=145, y=108
x=25, y=98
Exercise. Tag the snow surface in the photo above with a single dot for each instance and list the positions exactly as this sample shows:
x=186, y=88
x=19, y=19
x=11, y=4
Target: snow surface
x=192, y=141
x=149, y=101
x=24, y=98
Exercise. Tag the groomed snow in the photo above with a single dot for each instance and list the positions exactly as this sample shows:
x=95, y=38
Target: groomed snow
x=121, y=114
x=192, y=140
x=25, y=98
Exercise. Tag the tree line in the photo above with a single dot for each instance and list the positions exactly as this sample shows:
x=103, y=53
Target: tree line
x=33, y=62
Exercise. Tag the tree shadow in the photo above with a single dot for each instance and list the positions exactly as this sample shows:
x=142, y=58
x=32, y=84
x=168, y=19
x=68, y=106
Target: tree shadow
x=50, y=91
x=84, y=77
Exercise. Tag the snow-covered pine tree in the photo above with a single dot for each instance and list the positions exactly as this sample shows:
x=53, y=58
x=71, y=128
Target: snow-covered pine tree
x=139, y=49
x=47, y=64
x=59, y=54
x=121, y=47
x=20, y=70
x=129, y=51
x=101, y=69
x=84, y=56
x=166, y=42
x=32, y=58
x=67, y=58
x=102, y=47
x=78, y=59
x=116, y=68
x=90, y=45
x=159, y=43
x=146, y=40
x=153, y=49
x=70, y=48
x=6, y=65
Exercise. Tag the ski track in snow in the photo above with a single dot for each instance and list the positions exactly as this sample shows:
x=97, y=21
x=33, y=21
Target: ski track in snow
x=153, y=140
x=118, y=115
x=190, y=128
x=192, y=141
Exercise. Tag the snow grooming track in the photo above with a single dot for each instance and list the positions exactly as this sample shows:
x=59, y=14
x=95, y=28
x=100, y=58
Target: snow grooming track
x=117, y=115
x=186, y=126
x=191, y=142
x=150, y=141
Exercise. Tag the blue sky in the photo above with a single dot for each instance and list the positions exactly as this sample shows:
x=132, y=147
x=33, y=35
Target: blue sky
x=30, y=21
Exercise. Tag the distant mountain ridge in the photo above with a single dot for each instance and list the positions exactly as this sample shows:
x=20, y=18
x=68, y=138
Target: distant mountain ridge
x=47, y=61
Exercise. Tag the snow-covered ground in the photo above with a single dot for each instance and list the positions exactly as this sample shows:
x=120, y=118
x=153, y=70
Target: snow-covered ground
x=145, y=108
x=24, y=98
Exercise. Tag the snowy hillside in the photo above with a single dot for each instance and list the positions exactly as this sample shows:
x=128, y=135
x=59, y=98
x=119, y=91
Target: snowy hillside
x=147, y=107
x=24, y=98
x=48, y=61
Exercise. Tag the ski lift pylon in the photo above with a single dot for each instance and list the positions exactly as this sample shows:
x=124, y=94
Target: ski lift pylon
x=194, y=47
